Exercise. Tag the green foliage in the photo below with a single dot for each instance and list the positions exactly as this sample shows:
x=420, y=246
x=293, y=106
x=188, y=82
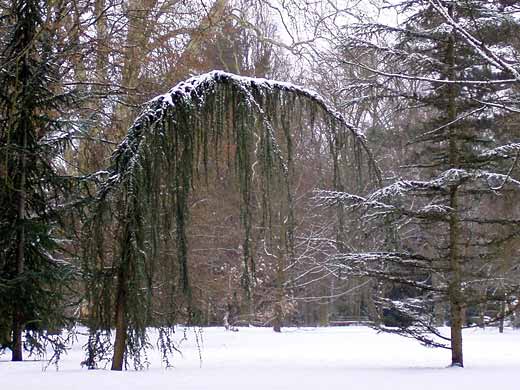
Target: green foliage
x=33, y=273
x=455, y=227
x=181, y=140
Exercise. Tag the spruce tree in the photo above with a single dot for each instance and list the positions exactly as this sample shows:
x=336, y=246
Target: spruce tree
x=33, y=272
x=448, y=231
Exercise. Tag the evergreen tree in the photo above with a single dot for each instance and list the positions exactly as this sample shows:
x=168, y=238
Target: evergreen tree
x=33, y=270
x=449, y=231
x=180, y=140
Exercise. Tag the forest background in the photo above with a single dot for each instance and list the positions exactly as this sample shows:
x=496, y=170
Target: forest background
x=393, y=204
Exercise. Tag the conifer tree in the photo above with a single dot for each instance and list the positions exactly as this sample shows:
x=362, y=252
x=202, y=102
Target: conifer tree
x=445, y=248
x=177, y=141
x=33, y=270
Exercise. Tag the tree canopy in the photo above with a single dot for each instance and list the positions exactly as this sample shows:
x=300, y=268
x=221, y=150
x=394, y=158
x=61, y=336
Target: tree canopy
x=182, y=139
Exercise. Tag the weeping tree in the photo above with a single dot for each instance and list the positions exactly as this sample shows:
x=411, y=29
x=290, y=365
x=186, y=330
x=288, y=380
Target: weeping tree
x=181, y=140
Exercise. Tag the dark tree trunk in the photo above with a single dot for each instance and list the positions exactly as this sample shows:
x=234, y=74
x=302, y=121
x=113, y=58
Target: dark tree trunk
x=502, y=315
x=455, y=290
x=278, y=307
x=456, y=336
x=277, y=322
x=17, y=346
x=121, y=321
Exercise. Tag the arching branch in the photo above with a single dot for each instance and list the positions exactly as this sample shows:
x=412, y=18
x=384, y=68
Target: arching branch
x=193, y=92
x=157, y=165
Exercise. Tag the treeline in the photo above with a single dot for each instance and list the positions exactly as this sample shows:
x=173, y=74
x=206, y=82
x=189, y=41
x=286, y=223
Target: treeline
x=234, y=200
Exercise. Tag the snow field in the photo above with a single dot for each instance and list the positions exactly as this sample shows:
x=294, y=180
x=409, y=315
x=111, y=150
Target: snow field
x=305, y=358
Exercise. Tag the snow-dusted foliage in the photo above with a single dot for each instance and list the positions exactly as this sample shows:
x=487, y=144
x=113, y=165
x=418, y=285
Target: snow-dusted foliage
x=37, y=200
x=389, y=199
x=210, y=123
x=493, y=56
x=448, y=225
x=501, y=152
x=413, y=318
x=194, y=93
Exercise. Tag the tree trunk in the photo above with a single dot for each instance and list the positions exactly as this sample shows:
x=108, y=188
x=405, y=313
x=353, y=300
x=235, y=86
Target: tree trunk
x=121, y=321
x=508, y=257
x=482, y=312
x=455, y=283
x=516, y=318
x=455, y=291
x=456, y=309
x=280, y=278
x=277, y=322
x=202, y=33
x=502, y=315
x=324, y=314
x=91, y=151
x=17, y=346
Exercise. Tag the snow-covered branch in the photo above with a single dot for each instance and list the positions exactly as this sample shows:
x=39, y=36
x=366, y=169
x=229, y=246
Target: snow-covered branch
x=195, y=90
x=479, y=46
x=508, y=151
x=382, y=198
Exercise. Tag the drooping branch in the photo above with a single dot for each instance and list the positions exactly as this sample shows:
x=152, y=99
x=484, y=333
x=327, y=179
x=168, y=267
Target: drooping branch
x=194, y=91
x=185, y=138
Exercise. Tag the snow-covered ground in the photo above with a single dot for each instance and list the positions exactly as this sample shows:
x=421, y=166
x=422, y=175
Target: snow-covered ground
x=306, y=358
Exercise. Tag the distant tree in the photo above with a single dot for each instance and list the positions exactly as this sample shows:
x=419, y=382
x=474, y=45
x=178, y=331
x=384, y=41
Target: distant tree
x=34, y=193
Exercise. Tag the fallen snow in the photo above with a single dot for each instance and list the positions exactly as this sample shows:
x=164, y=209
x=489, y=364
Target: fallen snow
x=306, y=358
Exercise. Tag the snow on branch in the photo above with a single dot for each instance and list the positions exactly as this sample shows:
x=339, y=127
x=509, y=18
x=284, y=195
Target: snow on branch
x=495, y=181
x=193, y=92
x=388, y=201
x=403, y=268
x=480, y=47
x=502, y=152
x=432, y=80
x=331, y=198
x=451, y=177
x=402, y=258
x=412, y=319
x=382, y=198
x=396, y=190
